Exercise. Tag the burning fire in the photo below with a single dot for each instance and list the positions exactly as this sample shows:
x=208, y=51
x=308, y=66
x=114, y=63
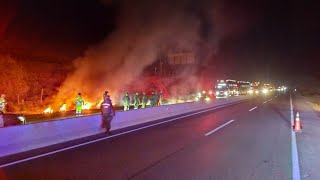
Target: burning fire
x=63, y=108
x=87, y=106
x=48, y=110
x=99, y=104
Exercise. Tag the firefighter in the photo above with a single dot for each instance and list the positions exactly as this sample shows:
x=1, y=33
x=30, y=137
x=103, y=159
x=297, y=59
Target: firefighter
x=3, y=103
x=144, y=100
x=156, y=99
x=160, y=99
x=105, y=95
x=126, y=102
x=107, y=113
x=1, y=119
x=153, y=99
x=79, y=104
x=136, y=101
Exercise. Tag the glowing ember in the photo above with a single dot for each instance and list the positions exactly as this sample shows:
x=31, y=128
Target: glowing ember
x=63, y=108
x=48, y=110
x=87, y=106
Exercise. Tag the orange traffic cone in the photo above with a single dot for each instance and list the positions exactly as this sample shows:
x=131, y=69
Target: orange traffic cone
x=297, y=126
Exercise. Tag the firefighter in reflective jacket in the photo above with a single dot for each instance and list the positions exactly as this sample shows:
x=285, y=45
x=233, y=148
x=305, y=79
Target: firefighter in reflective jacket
x=136, y=101
x=106, y=93
x=107, y=113
x=79, y=104
x=144, y=100
x=126, y=102
x=153, y=99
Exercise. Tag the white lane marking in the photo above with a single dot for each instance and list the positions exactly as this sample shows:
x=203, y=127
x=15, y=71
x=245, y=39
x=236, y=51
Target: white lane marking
x=216, y=129
x=109, y=137
x=253, y=108
x=294, y=149
x=265, y=102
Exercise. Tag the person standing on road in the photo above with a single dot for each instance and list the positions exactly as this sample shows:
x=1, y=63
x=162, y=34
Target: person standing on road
x=105, y=95
x=79, y=104
x=153, y=99
x=156, y=101
x=107, y=113
x=144, y=100
x=160, y=99
x=126, y=102
x=136, y=100
x=1, y=119
x=3, y=103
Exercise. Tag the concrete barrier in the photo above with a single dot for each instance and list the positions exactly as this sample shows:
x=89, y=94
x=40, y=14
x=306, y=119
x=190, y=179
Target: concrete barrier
x=22, y=138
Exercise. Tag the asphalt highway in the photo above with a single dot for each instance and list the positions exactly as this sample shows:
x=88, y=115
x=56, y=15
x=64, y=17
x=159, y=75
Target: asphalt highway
x=250, y=140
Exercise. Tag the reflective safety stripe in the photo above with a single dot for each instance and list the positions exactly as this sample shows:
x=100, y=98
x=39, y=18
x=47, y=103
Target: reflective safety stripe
x=106, y=104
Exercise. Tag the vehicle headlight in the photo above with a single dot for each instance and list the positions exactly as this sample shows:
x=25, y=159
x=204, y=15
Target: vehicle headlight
x=257, y=92
x=226, y=93
x=250, y=91
x=264, y=91
x=207, y=99
x=217, y=93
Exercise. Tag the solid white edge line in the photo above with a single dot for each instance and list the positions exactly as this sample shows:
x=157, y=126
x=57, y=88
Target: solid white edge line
x=294, y=149
x=253, y=108
x=216, y=129
x=108, y=137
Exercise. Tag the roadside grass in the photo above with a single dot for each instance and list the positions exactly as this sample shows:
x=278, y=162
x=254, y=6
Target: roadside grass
x=313, y=99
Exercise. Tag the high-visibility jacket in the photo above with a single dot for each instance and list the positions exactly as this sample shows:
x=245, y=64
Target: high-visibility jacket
x=79, y=101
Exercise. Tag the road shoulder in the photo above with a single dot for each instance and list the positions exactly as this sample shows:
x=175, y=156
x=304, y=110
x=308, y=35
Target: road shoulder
x=308, y=140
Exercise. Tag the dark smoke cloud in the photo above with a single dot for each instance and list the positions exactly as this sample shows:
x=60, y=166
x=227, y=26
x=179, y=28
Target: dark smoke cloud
x=8, y=11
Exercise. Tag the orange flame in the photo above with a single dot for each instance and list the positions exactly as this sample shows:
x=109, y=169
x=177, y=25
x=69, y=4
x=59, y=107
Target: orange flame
x=87, y=106
x=63, y=108
x=48, y=110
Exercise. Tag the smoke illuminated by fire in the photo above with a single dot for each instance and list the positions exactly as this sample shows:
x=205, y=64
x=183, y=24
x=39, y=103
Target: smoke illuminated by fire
x=145, y=31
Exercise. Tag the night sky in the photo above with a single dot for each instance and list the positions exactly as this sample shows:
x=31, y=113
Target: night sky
x=269, y=38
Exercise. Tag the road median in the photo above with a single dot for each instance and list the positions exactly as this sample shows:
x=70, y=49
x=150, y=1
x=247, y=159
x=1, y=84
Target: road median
x=28, y=137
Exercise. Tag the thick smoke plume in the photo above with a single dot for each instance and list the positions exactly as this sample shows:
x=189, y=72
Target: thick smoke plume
x=144, y=30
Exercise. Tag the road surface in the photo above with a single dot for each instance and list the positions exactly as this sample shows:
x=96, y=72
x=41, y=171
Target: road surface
x=251, y=140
